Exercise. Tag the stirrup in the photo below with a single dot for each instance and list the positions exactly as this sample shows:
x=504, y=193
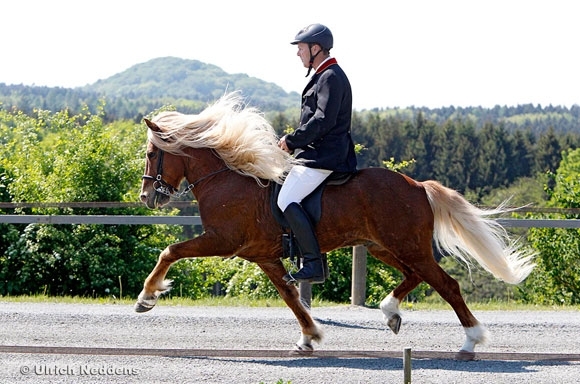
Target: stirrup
x=291, y=280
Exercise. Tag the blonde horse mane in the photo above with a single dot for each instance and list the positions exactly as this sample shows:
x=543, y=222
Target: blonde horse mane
x=239, y=134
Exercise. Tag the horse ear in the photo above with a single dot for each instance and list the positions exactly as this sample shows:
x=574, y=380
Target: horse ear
x=152, y=125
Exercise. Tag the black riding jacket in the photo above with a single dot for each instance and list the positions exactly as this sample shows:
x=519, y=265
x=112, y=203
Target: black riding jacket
x=325, y=121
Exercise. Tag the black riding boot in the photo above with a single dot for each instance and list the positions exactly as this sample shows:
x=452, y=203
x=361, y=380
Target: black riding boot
x=312, y=270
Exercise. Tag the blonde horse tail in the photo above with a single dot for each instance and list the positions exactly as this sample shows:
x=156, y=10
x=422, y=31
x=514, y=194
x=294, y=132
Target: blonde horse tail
x=467, y=232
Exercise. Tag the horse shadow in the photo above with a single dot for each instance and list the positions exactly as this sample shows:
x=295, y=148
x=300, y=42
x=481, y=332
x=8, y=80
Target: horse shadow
x=338, y=324
x=394, y=364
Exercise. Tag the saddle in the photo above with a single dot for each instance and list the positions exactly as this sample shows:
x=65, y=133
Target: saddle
x=311, y=204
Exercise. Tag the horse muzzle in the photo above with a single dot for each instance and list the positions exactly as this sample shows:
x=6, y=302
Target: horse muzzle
x=153, y=199
x=156, y=194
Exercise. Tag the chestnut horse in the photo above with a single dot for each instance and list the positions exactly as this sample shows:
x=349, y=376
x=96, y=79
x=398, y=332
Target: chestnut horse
x=228, y=154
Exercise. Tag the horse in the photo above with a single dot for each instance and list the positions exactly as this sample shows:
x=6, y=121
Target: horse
x=228, y=155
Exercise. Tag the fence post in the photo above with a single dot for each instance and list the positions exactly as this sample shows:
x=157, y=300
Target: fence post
x=359, y=275
x=407, y=366
x=305, y=290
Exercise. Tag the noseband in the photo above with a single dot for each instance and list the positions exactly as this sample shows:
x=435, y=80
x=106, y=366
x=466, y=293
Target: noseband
x=163, y=187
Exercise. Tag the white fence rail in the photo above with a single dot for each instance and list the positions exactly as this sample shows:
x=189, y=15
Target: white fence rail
x=196, y=220
x=100, y=219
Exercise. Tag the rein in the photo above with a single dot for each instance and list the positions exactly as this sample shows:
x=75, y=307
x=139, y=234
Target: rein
x=163, y=187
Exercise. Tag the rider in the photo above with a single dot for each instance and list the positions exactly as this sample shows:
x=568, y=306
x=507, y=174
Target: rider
x=322, y=139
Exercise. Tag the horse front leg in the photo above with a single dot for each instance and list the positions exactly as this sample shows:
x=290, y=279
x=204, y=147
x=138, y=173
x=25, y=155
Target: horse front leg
x=156, y=284
x=311, y=331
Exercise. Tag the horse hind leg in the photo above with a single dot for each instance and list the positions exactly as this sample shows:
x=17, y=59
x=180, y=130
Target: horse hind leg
x=390, y=304
x=474, y=335
x=311, y=331
x=449, y=290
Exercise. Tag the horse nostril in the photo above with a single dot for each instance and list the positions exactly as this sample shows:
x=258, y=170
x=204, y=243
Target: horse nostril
x=143, y=197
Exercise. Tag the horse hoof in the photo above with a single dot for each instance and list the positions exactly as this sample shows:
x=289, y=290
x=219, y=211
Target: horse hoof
x=465, y=355
x=394, y=323
x=302, y=350
x=142, y=307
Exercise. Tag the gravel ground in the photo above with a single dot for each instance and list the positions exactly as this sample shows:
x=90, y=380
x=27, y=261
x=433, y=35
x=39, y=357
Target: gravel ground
x=346, y=329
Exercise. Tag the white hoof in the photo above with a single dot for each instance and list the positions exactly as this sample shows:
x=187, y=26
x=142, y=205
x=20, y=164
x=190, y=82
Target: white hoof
x=305, y=343
x=474, y=335
x=391, y=313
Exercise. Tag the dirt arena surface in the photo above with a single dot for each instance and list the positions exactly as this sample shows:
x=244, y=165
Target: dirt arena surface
x=230, y=329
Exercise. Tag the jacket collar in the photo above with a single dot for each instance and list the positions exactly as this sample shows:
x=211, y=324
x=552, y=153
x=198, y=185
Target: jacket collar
x=330, y=61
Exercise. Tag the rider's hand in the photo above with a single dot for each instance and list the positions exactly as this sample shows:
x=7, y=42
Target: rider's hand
x=283, y=146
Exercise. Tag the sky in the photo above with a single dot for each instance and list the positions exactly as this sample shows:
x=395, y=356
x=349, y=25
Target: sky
x=424, y=53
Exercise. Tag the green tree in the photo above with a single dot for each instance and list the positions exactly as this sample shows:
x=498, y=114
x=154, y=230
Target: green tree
x=549, y=152
x=556, y=279
x=493, y=155
x=522, y=160
x=62, y=158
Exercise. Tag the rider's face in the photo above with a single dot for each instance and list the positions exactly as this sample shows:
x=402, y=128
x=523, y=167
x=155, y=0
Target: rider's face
x=304, y=54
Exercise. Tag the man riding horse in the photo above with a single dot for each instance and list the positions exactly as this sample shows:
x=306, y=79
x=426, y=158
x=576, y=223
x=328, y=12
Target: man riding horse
x=323, y=140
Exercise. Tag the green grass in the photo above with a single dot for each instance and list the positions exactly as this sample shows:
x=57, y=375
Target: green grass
x=434, y=303
x=170, y=301
x=488, y=306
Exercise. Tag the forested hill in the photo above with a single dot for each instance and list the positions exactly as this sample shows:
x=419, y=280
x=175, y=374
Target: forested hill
x=536, y=118
x=190, y=84
x=190, y=80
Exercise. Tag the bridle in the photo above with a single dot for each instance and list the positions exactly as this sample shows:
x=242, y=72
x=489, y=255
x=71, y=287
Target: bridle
x=163, y=187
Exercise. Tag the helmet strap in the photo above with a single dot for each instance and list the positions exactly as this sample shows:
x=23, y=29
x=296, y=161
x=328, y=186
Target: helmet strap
x=311, y=58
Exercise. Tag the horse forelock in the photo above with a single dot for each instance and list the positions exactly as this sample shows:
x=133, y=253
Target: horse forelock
x=240, y=135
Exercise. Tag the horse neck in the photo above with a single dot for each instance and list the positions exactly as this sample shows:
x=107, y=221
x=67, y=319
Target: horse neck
x=202, y=163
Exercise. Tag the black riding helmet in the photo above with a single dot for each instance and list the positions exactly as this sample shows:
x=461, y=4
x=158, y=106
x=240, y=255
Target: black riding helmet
x=314, y=34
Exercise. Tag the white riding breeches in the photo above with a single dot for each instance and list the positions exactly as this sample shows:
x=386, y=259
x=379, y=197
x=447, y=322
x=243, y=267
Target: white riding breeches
x=299, y=183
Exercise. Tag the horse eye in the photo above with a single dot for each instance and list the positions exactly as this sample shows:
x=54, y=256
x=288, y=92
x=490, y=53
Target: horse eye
x=151, y=155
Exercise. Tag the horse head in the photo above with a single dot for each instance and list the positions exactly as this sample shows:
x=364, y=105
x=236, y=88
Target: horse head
x=164, y=172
